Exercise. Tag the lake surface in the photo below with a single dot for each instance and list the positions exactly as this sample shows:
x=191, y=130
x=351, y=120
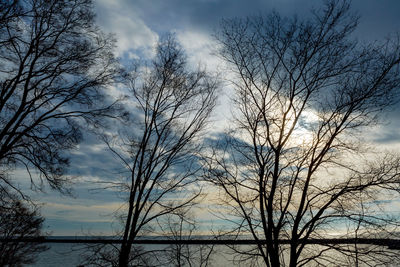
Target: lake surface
x=61, y=254
x=69, y=255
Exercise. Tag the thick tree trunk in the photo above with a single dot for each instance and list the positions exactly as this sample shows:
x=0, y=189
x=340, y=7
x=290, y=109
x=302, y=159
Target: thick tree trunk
x=123, y=260
x=293, y=256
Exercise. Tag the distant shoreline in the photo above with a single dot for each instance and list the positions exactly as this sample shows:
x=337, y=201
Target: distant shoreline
x=390, y=243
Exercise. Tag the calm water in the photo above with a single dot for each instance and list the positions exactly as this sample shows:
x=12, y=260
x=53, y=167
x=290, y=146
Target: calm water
x=69, y=255
x=64, y=255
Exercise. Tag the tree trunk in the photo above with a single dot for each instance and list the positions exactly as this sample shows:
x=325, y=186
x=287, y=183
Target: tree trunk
x=293, y=257
x=123, y=260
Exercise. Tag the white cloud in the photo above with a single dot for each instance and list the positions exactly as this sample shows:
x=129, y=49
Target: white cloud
x=199, y=47
x=130, y=31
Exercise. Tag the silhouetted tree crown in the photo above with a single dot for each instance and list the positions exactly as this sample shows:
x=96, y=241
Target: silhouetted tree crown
x=18, y=219
x=170, y=104
x=292, y=167
x=54, y=66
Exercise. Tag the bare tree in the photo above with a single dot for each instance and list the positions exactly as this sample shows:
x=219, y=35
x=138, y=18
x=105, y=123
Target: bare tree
x=54, y=63
x=177, y=227
x=294, y=167
x=183, y=226
x=18, y=220
x=171, y=105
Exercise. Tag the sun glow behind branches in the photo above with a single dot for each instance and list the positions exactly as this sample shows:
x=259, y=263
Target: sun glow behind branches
x=303, y=135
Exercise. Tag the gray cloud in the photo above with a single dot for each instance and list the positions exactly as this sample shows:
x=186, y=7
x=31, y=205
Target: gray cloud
x=389, y=130
x=94, y=159
x=377, y=17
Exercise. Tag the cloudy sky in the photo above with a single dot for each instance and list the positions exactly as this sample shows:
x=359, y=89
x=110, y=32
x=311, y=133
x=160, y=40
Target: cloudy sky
x=137, y=25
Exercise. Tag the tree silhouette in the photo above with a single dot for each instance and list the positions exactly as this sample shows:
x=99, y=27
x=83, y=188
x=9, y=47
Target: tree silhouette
x=170, y=107
x=18, y=220
x=293, y=167
x=54, y=63
x=183, y=226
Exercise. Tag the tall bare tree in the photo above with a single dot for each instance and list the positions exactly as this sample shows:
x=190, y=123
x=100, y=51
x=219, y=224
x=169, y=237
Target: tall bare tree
x=171, y=106
x=293, y=168
x=54, y=63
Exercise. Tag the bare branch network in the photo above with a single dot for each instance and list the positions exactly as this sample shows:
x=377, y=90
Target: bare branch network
x=292, y=173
